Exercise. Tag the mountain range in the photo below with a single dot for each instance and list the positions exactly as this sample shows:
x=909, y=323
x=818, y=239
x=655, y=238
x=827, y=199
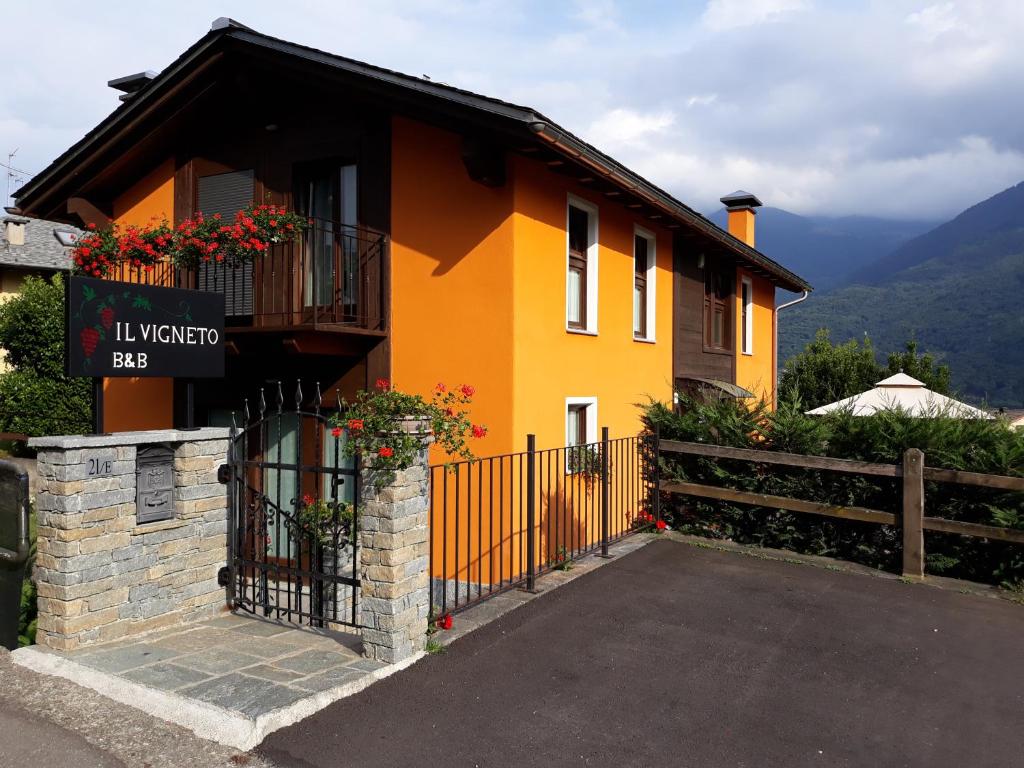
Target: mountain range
x=827, y=251
x=956, y=288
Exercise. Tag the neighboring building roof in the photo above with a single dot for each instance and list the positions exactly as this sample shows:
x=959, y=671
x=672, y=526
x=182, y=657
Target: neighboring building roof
x=902, y=393
x=1015, y=417
x=529, y=123
x=42, y=248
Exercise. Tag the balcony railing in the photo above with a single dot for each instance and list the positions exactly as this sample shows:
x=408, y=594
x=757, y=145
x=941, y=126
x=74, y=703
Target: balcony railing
x=332, y=277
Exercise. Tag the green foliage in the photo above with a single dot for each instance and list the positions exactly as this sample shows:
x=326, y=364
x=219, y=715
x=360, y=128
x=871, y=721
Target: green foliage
x=36, y=398
x=971, y=445
x=921, y=367
x=825, y=372
x=323, y=522
x=378, y=424
x=964, y=309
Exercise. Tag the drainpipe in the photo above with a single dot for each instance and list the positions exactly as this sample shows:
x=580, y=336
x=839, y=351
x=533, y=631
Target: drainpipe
x=775, y=345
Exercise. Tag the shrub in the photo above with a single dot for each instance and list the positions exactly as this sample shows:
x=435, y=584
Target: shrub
x=36, y=398
x=972, y=445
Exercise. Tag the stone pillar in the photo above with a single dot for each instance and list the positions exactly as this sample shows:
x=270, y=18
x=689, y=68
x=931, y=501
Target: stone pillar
x=100, y=573
x=395, y=564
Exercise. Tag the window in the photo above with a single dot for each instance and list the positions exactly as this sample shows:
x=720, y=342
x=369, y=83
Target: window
x=581, y=275
x=580, y=420
x=643, y=285
x=717, y=306
x=576, y=425
x=225, y=194
x=747, y=318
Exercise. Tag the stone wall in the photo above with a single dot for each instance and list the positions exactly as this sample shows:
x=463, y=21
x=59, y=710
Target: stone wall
x=100, y=574
x=395, y=553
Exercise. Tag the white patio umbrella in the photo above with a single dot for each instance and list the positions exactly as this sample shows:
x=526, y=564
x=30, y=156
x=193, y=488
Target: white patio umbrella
x=902, y=393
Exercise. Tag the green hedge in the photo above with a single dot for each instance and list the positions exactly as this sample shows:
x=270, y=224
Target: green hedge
x=36, y=398
x=977, y=446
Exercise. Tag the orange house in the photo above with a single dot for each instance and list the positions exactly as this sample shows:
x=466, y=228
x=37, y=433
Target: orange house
x=457, y=238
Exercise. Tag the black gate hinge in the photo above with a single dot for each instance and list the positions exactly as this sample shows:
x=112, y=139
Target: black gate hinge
x=224, y=474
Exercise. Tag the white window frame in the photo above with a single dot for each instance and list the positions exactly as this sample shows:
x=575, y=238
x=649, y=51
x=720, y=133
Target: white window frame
x=652, y=292
x=592, y=266
x=591, y=414
x=747, y=315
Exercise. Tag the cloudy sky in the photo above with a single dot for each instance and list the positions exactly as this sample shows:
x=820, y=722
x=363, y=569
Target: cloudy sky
x=894, y=108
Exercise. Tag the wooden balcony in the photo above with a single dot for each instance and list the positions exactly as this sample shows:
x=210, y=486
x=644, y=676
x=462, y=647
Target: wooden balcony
x=332, y=279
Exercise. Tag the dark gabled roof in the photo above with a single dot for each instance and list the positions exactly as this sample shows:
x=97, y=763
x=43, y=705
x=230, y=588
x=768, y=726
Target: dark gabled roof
x=41, y=249
x=533, y=122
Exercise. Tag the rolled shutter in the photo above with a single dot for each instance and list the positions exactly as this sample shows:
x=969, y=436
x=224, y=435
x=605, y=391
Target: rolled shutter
x=227, y=194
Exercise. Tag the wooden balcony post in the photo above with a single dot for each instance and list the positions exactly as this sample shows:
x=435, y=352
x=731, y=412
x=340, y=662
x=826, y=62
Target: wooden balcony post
x=912, y=521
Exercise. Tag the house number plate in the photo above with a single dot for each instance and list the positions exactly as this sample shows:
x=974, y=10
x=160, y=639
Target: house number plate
x=99, y=466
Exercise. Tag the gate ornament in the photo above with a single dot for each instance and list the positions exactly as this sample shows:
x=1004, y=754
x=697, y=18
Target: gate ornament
x=327, y=522
x=388, y=428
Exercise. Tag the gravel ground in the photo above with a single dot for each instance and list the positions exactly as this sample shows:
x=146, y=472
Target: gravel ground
x=55, y=722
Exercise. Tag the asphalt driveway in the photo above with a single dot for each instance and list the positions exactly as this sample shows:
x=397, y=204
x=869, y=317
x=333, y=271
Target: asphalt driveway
x=680, y=656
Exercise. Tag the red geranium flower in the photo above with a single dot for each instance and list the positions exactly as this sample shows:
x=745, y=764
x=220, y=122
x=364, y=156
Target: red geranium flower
x=445, y=622
x=385, y=451
x=307, y=499
x=383, y=383
x=336, y=432
x=468, y=391
x=479, y=431
x=661, y=525
x=355, y=425
x=441, y=387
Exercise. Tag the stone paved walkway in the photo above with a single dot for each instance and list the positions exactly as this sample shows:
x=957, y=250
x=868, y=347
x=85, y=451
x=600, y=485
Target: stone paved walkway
x=238, y=663
x=50, y=721
x=250, y=674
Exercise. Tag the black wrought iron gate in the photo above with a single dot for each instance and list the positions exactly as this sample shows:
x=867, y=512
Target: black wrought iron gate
x=294, y=530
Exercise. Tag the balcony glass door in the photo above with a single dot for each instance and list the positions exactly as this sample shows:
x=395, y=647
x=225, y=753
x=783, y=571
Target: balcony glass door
x=329, y=198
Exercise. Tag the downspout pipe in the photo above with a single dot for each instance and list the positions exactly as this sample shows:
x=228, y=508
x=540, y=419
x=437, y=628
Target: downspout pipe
x=775, y=346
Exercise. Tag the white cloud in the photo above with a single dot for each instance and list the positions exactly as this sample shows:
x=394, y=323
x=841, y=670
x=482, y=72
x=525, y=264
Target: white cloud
x=621, y=128
x=731, y=14
x=933, y=20
x=888, y=107
x=702, y=100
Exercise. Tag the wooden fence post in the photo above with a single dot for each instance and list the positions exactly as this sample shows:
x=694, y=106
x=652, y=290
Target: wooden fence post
x=912, y=520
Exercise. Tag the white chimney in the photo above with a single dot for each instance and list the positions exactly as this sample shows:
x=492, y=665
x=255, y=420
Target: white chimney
x=14, y=231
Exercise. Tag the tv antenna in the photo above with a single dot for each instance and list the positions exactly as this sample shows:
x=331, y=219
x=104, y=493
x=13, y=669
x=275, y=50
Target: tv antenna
x=15, y=176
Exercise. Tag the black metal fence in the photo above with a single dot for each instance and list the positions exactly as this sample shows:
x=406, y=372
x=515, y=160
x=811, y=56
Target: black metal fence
x=501, y=521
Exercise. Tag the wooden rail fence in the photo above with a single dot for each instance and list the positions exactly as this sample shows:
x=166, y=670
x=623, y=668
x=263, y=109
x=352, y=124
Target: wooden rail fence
x=912, y=471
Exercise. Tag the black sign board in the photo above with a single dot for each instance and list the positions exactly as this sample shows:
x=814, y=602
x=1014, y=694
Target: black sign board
x=125, y=329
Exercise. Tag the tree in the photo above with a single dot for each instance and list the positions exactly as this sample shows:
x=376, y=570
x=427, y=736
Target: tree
x=36, y=398
x=825, y=372
x=920, y=367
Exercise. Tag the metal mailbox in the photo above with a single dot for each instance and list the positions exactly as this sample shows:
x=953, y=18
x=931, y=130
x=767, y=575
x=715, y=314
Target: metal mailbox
x=154, y=484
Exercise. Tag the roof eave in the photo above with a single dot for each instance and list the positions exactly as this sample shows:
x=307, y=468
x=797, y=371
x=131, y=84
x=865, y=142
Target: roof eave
x=124, y=113
x=637, y=185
